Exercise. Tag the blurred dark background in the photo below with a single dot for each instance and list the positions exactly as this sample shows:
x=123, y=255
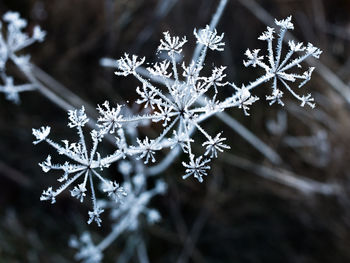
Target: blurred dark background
x=240, y=213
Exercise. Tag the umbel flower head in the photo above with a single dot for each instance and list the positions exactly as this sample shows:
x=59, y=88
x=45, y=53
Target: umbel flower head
x=176, y=104
x=82, y=166
x=278, y=69
x=179, y=97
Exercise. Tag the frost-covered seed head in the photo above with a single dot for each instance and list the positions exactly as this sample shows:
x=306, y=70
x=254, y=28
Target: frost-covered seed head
x=215, y=145
x=210, y=38
x=110, y=118
x=41, y=134
x=285, y=23
x=171, y=44
x=79, y=192
x=77, y=118
x=127, y=65
x=95, y=216
x=114, y=191
x=196, y=167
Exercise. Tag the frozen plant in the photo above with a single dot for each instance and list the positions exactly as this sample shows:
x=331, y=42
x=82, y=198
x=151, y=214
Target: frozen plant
x=180, y=104
x=12, y=40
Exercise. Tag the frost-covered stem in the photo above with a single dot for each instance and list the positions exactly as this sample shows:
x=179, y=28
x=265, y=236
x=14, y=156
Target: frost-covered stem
x=99, y=176
x=160, y=80
x=218, y=13
x=67, y=183
x=70, y=171
x=188, y=139
x=270, y=51
x=296, y=62
x=263, y=65
x=62, y=150
x=163, y=81
x=259, y=81
x=165, y=132
x=85, y=178
x=279, y=45
x=201, y=109
x=290, y=90
x=93, y=196
x=154, y=89
x=82, y=141
x=274, y=84
x=289, y=54
x=202, y=56
x=173, y=62
x=137, y=118
x=202, y=131
x=193, y=99
x=93, y=151
x=213, y=23
x=230, y=103
x=110, y=159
